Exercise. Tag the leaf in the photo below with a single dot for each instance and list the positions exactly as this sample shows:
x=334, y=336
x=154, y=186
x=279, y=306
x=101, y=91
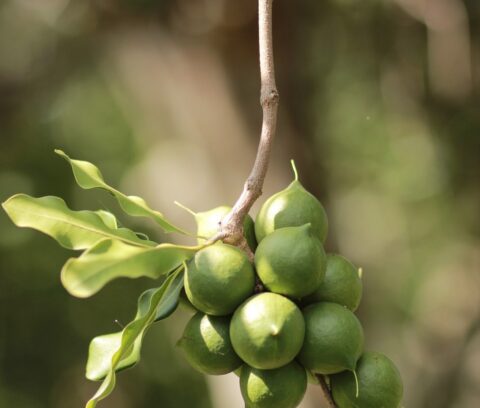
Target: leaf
x=88, y=176
x=110, y=259
x=102, y=348
x=150, y=306
x=71, y=229
x=101, y=351
x=109, y=219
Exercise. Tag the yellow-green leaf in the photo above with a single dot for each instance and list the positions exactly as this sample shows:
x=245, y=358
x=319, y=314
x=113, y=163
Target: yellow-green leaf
x=152, y=306
x=88, y=176
x=71, y=229
x=102, y=348
x=111, y=259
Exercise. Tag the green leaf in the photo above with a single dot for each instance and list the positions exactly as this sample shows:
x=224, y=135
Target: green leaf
x=105, y=360
x=102, y=348
x=101, y=351
x=109, y=219
x=71, y=229
x=88, y=176
x=111, y=259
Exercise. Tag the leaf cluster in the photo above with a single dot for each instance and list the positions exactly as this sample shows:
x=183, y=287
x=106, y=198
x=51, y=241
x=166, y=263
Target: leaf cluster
x=109, y=252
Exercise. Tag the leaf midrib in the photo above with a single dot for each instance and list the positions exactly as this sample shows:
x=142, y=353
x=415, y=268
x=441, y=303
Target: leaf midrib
x=103, y=184
x=110, y=378
x=106, y=234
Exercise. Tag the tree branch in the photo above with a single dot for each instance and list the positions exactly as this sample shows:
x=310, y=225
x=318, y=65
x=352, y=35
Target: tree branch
x=231, y=229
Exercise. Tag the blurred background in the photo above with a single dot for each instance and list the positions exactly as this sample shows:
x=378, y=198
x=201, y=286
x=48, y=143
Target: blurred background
x=380, y=108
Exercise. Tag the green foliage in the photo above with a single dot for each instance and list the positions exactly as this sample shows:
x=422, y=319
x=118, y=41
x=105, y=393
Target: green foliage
x=110, y=259
x=100, y=353
x=110, y=253
x=71, y=229
x=102, y=348
x=153, y=305
x=88, y=176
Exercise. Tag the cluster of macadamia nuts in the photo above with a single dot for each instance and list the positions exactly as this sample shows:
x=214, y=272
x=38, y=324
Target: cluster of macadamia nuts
x=300, y=326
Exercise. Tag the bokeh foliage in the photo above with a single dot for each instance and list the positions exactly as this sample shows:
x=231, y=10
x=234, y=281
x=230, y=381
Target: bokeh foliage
x=379, y=106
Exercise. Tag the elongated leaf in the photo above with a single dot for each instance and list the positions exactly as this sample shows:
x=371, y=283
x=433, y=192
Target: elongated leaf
x=88, y=176
x=71, y=229
x=102, y=348
x=157, y=302
x=109, y=219
x=111, y=259
x=169, y=302
x=101, y=351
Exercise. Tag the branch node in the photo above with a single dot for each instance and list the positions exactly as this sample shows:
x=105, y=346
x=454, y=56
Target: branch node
x=269, y=98
x=250, y=184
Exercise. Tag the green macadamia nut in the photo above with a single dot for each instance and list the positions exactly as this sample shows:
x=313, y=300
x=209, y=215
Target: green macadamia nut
x=291, y=261
x=218, y=279
x=379, y=384
x=267, y=331
x=342, y=284
x=206, y=345
x=291, y=207
x=282, y=387
x=333, y=339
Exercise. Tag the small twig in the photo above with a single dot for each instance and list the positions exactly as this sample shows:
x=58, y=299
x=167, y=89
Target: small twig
x=231, y=229
x=326, y=391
